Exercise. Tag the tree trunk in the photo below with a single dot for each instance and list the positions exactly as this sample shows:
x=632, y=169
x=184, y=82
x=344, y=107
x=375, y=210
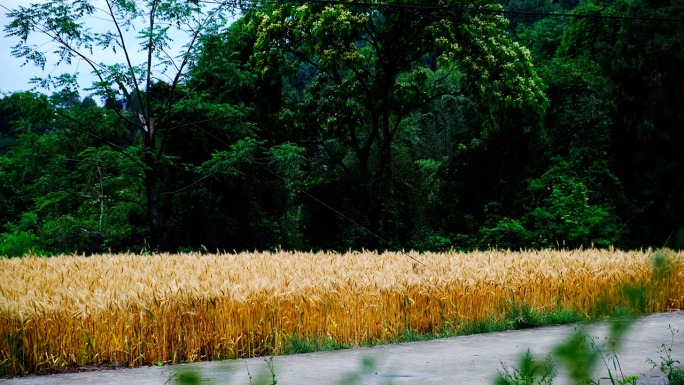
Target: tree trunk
x=151, y=187
x=153, y=209
x=380, y=182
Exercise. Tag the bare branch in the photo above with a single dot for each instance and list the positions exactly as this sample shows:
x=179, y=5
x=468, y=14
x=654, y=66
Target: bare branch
x=87, y=132
x=146, y=107
x=190, y=185
x=187, y=124
x=334, y=158
x=105, y=167
x=171, y=59
x=179, y=73
x=98, y=197
x=128, y=59
x=97, y=68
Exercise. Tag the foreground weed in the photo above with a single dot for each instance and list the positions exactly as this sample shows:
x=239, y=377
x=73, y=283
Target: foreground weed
x=187, y=377
x=675, y=374
x=269, y=362
x=263, y=378
x=368, y=365
x=530, y=372
x=582, y=353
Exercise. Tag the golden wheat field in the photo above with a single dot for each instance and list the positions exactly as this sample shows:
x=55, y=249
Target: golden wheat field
x=189, y=307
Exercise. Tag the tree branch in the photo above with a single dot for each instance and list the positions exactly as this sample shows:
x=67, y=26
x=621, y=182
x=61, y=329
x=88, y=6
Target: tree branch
x=146, y=108
x=110, y=144
x=105, y=167
x=187, y=124
x=96, y=67
x=98, y=198
x=128, y=59
x=334, y=158
x=190, y=185
x=434, y=84
x=178, y=75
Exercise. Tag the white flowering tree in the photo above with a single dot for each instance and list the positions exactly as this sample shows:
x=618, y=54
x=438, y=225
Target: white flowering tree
x=372, y=74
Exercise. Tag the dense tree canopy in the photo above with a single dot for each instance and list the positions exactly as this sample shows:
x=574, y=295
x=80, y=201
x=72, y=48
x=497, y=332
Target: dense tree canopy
x=425, y=125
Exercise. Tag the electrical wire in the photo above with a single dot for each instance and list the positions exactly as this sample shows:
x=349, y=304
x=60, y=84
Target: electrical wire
x=337, y=212
x=482, y=11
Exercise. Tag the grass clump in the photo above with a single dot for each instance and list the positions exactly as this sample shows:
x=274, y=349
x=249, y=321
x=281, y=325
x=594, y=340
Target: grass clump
x=529, y=372
x=297, y=345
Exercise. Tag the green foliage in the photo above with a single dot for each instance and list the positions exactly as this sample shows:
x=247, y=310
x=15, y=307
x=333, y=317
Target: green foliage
x=299, y=346
x=434, y=134
x=158, y=112
x=520, y=314
x=676, y=240
x=20, y=243
x=528, y=372
x=544, y=38
x=21, y=240
x=440, y=243
x=565, y=211
x=508, y=233
x=287, y=160
x=640, y=74
x=368, y=96
x=7, y=133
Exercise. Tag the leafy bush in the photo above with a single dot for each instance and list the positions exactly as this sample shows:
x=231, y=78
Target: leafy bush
x=564, y=212
x=20, y=243
x=567, y=213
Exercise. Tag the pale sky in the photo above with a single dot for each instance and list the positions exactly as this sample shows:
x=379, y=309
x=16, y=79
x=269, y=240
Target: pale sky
x=14, y=77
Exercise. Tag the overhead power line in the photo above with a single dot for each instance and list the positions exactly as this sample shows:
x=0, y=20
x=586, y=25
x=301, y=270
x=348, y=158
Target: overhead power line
x=339, y=213
x=480, y=11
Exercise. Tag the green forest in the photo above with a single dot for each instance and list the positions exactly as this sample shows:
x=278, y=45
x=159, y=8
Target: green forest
x=332, y=125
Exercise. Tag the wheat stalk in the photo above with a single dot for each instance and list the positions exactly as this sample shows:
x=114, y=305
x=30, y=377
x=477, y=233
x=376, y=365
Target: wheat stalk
x=189, y=307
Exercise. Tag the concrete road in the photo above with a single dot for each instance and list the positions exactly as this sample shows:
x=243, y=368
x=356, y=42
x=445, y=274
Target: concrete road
x=459, y=360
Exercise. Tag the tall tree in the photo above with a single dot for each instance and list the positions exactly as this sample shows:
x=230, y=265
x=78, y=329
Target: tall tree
x=642, y=60
x=370, y=74
x=155, y=108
